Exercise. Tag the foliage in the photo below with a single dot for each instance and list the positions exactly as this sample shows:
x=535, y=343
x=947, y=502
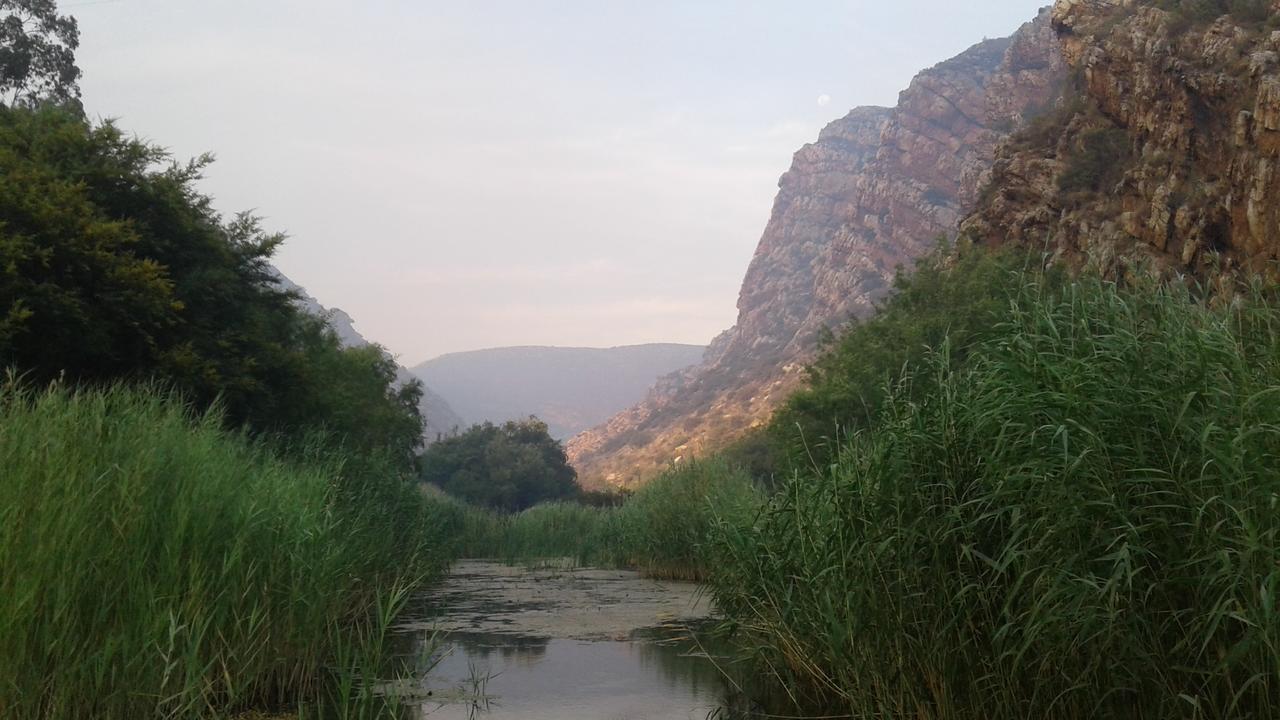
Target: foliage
x=615, y=497
x=660, y=530
x=154, y=565
x=1077, y=520
x=760, y=454
x=507, y=467
x=664, y=528
x=1189, y=13
x=1097, y=162
x=958, y=294
x=113, y=266
x=550, y=531
x=37, y=54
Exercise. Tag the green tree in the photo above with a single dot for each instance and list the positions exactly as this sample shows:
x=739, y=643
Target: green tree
x=508, y=467
x=37, y=54
x=113, y=266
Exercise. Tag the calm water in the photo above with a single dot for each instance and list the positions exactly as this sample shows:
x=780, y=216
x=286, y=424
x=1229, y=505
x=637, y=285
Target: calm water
x=560, y=644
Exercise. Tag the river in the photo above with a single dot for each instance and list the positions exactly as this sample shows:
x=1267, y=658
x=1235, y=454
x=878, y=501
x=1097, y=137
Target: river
x=558, y=643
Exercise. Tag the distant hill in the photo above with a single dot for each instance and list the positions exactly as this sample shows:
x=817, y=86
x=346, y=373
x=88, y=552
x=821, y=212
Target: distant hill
x=571, y=389
x=440, y=418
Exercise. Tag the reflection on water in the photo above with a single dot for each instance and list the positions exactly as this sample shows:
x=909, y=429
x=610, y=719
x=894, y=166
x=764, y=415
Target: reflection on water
x=512, y=677
x=581, y=661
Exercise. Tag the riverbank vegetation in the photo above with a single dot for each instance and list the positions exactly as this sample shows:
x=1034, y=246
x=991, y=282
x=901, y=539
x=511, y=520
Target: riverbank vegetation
x=1061, y=503
x=208, y=503
x=507, y=467
x=158, y=565
x=662, y=530
x=1078, y=520
x=1008, y=494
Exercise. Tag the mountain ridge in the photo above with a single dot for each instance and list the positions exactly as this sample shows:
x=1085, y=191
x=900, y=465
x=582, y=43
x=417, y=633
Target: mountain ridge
x=872, y=193
x=569, y=388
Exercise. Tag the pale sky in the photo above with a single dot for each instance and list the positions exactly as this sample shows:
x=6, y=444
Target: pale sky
x=482, y=173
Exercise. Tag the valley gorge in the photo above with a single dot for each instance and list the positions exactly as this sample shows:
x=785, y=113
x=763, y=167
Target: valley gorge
x=876, y=190
x=1108, y=134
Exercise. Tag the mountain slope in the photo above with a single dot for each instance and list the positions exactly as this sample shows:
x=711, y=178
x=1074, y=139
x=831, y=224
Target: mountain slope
x=873, y=193
x=570, y=389
x=1165, y=150
x=440, y=419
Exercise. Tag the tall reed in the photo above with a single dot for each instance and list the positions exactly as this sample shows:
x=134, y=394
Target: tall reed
x=665, y=527
x=153, y=565
x=661, y=530
x=1078, y=522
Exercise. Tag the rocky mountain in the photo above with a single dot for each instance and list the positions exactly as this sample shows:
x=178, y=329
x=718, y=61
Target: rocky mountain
x=1165, y=149
x=875, y=191
x=440, y=418
x=570, y=389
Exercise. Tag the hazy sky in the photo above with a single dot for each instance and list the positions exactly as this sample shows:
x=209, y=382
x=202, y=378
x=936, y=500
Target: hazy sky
x=459, y=175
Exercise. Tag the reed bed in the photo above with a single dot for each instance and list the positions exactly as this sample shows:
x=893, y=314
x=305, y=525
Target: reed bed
x=661, y=530
x=153, y=565
x=665, y=527
x=1079, y=521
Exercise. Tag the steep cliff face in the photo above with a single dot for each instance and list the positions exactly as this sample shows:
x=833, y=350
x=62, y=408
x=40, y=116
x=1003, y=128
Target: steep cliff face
x=871, y=194
x=1163, y=151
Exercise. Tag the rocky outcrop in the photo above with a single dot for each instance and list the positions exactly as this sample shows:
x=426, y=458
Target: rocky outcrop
x=1164, y=151
x=875, y=191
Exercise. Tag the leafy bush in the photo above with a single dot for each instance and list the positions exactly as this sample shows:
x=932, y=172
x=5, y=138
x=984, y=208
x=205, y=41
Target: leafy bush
x=509, y=467
x=1097, y=162
x=1079, y=520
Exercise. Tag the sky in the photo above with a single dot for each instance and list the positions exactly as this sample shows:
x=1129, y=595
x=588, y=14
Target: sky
x=485, y=173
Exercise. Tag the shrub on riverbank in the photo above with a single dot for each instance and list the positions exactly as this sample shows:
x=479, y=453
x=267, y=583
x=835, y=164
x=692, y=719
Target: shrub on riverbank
x=1078, y=521
x=155, y=565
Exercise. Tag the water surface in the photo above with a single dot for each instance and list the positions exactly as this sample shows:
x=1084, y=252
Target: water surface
x=566, y=644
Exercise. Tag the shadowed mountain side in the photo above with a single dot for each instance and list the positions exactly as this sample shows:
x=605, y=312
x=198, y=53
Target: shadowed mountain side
x=571, y=389
x=873, y=193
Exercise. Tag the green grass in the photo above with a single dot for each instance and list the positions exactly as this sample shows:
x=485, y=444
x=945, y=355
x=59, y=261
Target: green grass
x=1079, y=521
x=154, y=566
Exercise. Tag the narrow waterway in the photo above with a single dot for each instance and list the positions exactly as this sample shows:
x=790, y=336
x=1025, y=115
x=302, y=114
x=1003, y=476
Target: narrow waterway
x=563, y=644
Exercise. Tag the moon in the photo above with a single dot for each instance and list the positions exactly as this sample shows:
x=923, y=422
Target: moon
x=824, y=100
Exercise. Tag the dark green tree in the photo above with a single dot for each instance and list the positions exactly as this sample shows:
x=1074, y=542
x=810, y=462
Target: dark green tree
x=37, y=54
x=114, y=267
x=507, y=467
